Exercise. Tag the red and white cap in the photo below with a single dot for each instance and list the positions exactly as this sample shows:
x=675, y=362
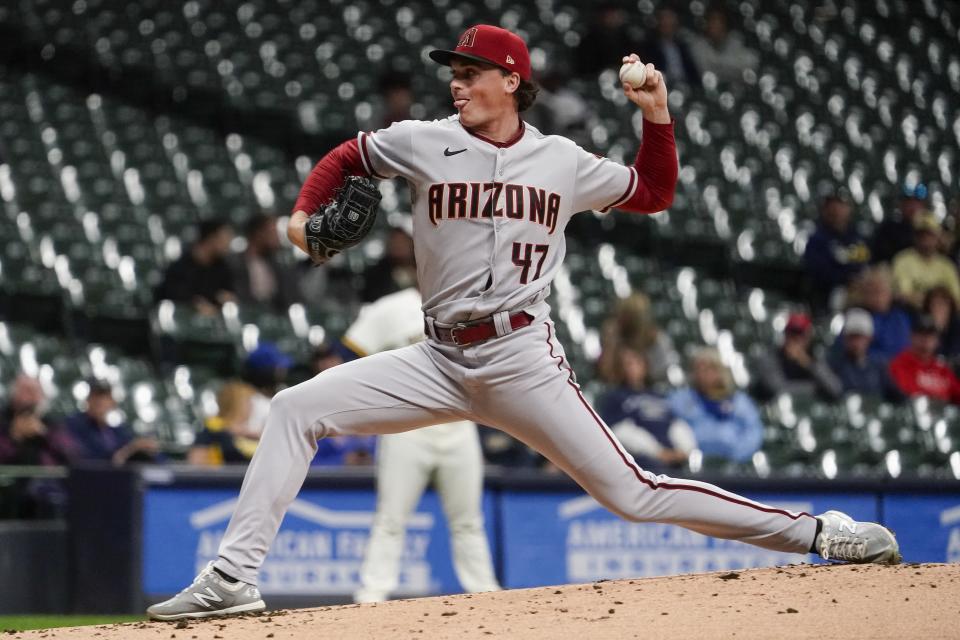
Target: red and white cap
x=494, y=45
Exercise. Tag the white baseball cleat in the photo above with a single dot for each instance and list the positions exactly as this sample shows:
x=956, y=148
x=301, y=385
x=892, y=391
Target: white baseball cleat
x=209, y=596
x=844, y=539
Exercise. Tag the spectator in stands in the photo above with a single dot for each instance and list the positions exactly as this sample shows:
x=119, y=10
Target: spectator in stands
x=942, y=308
x=895, y=233
x=606, y=41
x=265, y=369
x=872, y=290
x=201, y=275
x=396, y=270
x=632, y=326
x=859, y=370
x=668, y=52
x=919, y=371
x=720, y=50
x=835, y=252
x=642, y=419
x=226, y=438
x=559, y=109
x=796, y=367
x=99, y=435
x=922, y=267
x=396, y=90
x=725, y=421
x=259, y=277
x=27, y=435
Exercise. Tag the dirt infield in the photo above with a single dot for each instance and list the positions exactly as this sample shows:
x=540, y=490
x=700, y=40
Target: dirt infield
x=805, y=601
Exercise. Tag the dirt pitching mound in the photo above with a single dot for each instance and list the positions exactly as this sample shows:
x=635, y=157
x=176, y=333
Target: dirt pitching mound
x=804, y=601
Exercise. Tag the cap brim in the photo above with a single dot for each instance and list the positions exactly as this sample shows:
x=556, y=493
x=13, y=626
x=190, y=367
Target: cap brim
x=443, y=56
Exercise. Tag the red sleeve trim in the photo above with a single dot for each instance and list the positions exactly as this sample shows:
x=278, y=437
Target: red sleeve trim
x=626, y=194
x=365, y=156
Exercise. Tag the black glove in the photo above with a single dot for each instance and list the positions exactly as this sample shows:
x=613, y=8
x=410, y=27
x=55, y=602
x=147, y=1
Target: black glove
x=344, y=221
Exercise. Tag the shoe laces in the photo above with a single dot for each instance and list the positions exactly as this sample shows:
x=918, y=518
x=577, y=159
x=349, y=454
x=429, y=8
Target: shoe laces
x=843, y=548
x=207, y=570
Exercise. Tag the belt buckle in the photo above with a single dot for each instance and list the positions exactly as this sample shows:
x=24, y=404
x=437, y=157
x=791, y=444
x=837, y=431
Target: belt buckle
x=454, y=330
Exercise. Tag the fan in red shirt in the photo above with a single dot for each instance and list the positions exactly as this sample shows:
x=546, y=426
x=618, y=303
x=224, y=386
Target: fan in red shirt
x=918, y=371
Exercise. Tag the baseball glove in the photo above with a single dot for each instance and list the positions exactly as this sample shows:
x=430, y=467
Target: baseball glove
x=344, y=221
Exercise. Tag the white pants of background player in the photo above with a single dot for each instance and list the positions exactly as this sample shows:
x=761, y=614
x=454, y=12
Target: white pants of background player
x=519, y=383
x=450, y=455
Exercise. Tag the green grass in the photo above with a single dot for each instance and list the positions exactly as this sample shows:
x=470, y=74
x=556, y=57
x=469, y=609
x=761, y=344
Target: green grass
x=22, y=623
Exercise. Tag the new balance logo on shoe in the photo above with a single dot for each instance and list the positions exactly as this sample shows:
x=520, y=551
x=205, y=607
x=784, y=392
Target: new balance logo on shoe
x=205, y=600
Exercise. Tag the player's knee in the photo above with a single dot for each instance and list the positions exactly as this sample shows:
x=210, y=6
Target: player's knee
x=466, y=526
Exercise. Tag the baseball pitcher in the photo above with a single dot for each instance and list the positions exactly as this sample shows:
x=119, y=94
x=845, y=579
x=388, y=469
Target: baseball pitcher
x=491, y=196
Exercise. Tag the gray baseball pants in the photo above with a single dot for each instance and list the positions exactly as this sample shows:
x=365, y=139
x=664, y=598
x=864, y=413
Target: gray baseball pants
x=519, y=383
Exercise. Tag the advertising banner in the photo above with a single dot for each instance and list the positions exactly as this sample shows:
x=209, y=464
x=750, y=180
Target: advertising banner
x=567, y=538
x=927, y=526
x=318, y=550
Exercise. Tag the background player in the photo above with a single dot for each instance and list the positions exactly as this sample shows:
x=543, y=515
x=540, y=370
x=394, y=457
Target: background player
x=406, y=462
x=491, y=197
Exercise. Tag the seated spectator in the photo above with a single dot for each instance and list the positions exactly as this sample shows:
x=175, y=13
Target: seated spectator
x=27, y=435
x=201, y=275
x=226, y=438
x=859, y=370
x=835, y=252
x=721, y=51
x=668, y=52
x=918, y=371
x=725, y=421
x=920, y=268
x=642, y=419
x=259, y=276
x=632, y=326
x=941, y=307
x=796, y=368
x=396, y=270
x=100, y=437
x=895, y=233
x=265, y=370
x=872, y=290
x=605, y=42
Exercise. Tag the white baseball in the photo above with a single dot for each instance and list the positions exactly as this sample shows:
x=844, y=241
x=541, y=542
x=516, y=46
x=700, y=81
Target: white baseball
x=633, y=74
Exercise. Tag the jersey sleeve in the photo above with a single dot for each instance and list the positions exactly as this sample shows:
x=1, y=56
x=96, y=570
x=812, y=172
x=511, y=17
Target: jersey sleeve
x=388, y=153
x=601, y=183
x=370, y=331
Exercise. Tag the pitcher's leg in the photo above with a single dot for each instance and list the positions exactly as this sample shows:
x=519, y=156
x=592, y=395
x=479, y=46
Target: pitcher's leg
x=388, y=392
x=460, y=485
x=403, y=471
x=544, y=408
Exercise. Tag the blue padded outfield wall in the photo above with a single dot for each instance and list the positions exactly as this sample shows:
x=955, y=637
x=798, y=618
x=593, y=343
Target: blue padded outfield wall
x=537, y=538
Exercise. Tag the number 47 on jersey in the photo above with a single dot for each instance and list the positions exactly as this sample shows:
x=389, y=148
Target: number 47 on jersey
x=523, y=258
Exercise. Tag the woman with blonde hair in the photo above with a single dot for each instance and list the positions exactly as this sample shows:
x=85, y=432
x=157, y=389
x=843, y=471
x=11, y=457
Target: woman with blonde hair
x=725, y=420
x=226, y=437
x=632, y=326
x=872, y=290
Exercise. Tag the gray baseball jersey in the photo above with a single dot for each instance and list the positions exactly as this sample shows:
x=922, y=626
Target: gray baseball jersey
x=489, y=217
x=488, y=230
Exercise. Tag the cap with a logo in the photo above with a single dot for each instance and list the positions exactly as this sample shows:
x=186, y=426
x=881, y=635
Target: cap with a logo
x=858, y=322
x=490, y=44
